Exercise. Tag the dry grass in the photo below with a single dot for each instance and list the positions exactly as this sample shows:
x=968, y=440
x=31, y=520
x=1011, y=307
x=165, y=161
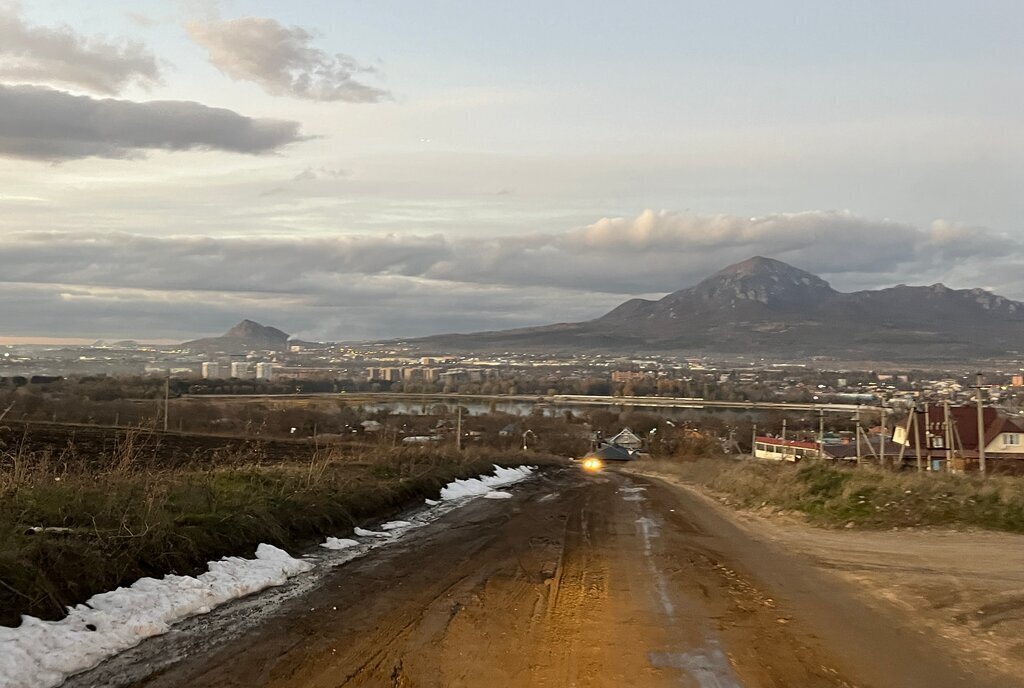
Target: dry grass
x=863, y=497
x=120, y=517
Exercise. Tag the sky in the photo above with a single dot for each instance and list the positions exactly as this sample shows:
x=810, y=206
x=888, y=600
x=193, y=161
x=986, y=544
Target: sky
x=357, y=169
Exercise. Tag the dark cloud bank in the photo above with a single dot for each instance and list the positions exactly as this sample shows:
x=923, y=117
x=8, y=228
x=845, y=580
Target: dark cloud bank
x=40, y=123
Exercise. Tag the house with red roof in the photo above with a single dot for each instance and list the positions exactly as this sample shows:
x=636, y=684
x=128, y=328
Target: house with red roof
x=958, y=441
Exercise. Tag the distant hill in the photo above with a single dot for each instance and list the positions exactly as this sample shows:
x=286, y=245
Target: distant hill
x=767, y=308
x=243, y=337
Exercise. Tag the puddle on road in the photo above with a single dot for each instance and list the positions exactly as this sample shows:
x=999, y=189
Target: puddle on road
x=708, y=666
x=633, y=494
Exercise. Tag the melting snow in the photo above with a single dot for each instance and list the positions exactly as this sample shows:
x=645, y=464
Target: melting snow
x=40, y=654
x=476, y=487
x=338, y=543
x=362, y=532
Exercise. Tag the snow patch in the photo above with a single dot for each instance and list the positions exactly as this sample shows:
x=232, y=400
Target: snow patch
x=478, y=487
x=362, y=532
x=338, y=543
x=41, y=654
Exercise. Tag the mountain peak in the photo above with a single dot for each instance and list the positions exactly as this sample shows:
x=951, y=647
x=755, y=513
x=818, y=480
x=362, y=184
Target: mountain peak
x=247, y=335
x=756, y=265
x=760, y=280
x=251, y=330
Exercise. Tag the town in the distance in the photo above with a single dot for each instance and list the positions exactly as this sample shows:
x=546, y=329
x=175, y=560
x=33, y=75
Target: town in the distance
x=654, y=356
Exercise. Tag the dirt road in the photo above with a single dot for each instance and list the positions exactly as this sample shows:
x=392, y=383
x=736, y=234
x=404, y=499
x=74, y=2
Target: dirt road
x=608, y=580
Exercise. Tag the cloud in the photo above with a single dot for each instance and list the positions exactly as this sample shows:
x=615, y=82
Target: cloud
x=141, y=20
x=39, y=123
x=60, y=55
x=282, y=61
x=649, y=254
x=661, y=251
x=360, y=286
x=310, y=174
x=298, y=266
x=369, y=307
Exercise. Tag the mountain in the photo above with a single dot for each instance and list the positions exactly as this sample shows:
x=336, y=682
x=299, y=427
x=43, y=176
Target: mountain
x=243, y=337
x=764, y=307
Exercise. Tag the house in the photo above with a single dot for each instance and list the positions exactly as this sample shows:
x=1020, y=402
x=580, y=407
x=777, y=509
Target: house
x=624, y=446
x=627, y=439
x=1002, y=438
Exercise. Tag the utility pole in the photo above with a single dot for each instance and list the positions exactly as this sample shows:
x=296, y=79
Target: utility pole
x=821, y=433
x=881, y=449
x=979, y=379
x=458, y=431
x=783, y=429
x=167, y=399
x=928, y=433
x=857, y=432
x=947, y=435
x=753, y=441
x=917, y=438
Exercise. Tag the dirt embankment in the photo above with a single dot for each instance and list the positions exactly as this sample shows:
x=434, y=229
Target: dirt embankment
x=965, y=587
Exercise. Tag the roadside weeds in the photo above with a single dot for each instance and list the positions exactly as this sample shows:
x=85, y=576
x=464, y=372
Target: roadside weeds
x=69, y=531
x=864, y=497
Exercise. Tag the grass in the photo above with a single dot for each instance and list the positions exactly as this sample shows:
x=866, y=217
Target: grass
x=121, y=517
x=862, y=497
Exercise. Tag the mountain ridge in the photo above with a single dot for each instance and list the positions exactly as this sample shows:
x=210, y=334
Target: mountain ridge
x=762, y=306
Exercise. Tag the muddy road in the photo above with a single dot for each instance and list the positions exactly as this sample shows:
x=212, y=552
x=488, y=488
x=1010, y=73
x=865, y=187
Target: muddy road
x=607, y=580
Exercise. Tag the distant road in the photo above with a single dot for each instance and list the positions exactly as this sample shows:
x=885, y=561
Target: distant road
x=560, y=400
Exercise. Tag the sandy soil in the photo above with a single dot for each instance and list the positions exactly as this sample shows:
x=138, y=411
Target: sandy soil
x=608, y=580
x=963, y=588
